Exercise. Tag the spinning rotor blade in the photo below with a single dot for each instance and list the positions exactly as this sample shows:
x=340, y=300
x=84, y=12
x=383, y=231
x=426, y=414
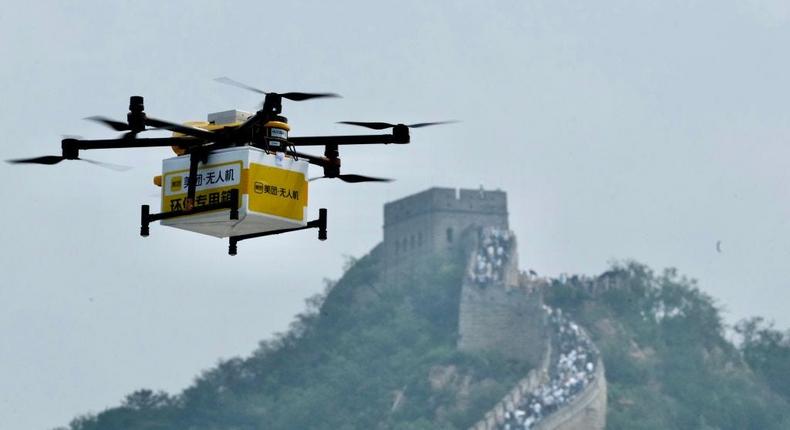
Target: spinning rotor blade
x=50, y=160
x=46, y=159
x=426, y=124
x=353, y=179
x=293, y=96
x=385, y=125
x=183, y=129
x=113, y=124
x=371, y=125
x=156, y=124
x=117, y=126
x=297, y=97
x=228, y=81
x=106, y=165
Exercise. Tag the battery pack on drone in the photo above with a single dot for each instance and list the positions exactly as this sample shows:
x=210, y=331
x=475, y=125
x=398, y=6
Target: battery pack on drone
x=272, y=190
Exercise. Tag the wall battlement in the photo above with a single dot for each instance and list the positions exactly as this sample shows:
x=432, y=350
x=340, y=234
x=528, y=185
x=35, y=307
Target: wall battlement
x=473, y=202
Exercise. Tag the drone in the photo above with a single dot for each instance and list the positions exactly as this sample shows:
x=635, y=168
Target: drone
x=238, y=175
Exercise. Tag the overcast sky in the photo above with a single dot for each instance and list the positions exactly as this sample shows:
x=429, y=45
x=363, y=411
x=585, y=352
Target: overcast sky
x=620, y=130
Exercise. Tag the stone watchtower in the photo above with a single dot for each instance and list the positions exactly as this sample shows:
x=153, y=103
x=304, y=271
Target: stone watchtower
x=498, y=315
x=431, y=223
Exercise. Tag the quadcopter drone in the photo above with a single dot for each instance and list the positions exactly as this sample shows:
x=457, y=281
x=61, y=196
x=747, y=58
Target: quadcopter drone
x=238, y=175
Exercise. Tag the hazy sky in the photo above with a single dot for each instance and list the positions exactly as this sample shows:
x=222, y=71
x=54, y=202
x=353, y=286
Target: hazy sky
x=646, y=130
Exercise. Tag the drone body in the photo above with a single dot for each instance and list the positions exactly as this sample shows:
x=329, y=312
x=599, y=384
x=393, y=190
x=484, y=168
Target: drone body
x=272, y=189
x=237, y=175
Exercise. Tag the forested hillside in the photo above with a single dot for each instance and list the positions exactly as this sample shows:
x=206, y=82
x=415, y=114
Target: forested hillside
x=367, y=357
x=669, y=364
x=361, y=356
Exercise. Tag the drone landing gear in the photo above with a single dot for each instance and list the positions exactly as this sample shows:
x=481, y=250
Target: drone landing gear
x=319, y=223
x=146, y=217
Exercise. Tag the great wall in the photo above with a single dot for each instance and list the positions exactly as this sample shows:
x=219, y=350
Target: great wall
x=501, y=307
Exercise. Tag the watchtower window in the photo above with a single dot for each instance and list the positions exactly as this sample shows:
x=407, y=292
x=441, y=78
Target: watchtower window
x=419, y=239
x=411, y=242
x=449, y=235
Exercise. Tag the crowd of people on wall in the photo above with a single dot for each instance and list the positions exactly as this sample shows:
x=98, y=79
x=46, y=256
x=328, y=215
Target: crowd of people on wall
x=492, y=252
x=572, y=371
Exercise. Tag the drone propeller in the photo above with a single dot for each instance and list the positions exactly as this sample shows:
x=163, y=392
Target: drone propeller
x=117, y=126
x=293, y=96
x=46, y=159
x=298, y=97
x=50, y=160
x=135, y=119
x=385, y=125
x=156, y=124
x=183, y=129
x=353, y=179
x=113, y=124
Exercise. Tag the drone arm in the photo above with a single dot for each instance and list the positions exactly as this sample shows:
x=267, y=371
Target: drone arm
x=82, y=144
x=365, y=139
x=312, y=159
x=71, y=147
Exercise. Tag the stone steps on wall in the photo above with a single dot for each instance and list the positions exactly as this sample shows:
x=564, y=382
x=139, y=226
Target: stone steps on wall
x=585, y=411
x=503, y=311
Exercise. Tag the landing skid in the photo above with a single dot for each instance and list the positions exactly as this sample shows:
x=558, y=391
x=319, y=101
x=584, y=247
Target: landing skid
x=146, y=217
x=319, y=223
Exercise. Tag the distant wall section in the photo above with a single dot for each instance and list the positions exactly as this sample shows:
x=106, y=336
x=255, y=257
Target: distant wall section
x=585, y=412
x=537, y=376
x=501, y=315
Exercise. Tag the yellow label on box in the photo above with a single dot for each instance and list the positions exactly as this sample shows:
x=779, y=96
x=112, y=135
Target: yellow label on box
x=214, y=182
x=277, y=192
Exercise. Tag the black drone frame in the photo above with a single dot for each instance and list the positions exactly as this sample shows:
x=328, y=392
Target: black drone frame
x=199, y=143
